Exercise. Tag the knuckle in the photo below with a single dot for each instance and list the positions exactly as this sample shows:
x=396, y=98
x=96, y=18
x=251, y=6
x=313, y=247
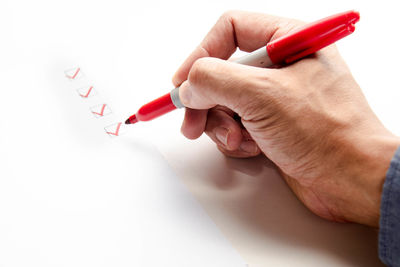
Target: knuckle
x=228, y=15
x=200, y=70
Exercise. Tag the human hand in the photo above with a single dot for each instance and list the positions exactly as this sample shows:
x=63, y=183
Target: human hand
x=310, y=118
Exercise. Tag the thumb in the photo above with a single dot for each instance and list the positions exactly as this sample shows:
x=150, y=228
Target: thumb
x=213, y=81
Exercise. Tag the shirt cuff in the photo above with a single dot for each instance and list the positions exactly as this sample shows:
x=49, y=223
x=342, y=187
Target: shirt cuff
x=389, y=232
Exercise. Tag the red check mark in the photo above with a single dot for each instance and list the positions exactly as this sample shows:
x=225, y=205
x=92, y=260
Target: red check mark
x=116, y=130
x=101, y=113
x=75, y=74
x=87, y=93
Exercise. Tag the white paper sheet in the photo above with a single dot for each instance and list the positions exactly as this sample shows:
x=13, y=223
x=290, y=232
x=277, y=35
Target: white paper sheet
x=71, y=194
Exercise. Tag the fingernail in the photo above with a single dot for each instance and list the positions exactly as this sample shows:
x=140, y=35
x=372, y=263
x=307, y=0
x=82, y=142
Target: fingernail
x=185, y=94
x=249, y=147
x=222, y=135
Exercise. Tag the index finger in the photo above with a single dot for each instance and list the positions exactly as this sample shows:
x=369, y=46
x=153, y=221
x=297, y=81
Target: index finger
x=246, y=30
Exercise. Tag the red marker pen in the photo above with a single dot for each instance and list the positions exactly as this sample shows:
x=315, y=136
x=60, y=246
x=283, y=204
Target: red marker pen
x=284, y=50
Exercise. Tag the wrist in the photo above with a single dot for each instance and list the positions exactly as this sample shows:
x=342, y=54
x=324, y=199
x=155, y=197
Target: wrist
x=370, y=161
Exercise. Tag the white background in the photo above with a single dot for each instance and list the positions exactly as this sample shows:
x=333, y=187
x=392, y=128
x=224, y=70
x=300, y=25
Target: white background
x=54, y=208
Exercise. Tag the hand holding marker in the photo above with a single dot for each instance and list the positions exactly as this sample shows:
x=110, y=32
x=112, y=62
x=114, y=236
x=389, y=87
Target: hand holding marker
x=284, y=50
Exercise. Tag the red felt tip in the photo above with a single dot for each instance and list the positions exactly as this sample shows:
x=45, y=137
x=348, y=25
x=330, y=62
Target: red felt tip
x=131, y=120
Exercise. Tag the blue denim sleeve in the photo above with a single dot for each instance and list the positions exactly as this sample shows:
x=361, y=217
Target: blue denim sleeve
x=389, y=232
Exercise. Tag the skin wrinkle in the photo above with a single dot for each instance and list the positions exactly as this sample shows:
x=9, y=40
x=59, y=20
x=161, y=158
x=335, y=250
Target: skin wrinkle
x=235, y=40
x=331, y=215
x=303, y=198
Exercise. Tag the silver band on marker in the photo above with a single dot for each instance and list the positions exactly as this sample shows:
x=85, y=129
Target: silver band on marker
x=175, y=98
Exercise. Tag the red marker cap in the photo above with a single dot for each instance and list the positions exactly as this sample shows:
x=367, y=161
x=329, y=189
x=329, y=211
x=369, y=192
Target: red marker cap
x=312, y=37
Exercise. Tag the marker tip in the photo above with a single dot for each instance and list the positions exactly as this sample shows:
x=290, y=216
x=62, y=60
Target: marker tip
x=131, y=120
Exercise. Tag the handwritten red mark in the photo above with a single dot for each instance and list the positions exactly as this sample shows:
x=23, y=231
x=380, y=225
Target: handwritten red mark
x=101, y=113
x=74, y=76
x=87, y=94
x=116, y=130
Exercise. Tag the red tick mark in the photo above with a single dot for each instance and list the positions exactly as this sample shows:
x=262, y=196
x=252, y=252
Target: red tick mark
x=88, y=92
x=116, y=130
x=101, y=113
x=74, y=76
